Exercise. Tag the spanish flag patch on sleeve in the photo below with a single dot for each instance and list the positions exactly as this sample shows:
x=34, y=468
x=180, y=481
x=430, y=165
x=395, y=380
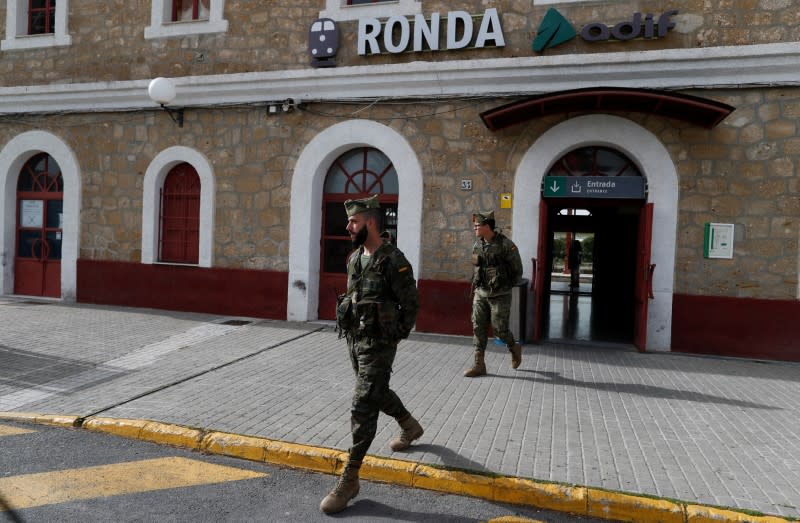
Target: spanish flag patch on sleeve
x=404, y=268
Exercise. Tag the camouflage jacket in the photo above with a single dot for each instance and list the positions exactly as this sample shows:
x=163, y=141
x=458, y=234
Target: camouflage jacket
x=497, y=265
x=382, y=297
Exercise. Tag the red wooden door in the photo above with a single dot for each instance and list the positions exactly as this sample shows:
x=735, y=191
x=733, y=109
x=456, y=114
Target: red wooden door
x=643, y=288
x=541, y=266
x=336, y=246
x=180, y=216
x=37, y=258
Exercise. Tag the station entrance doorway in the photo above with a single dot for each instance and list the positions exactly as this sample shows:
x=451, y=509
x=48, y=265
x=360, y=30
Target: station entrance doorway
x=593, y=271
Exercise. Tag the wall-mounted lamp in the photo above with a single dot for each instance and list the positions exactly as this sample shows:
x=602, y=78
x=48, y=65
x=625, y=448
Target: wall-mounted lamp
x=162, y=92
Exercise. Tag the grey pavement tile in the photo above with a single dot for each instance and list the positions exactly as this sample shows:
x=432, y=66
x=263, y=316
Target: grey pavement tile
x=711, y=430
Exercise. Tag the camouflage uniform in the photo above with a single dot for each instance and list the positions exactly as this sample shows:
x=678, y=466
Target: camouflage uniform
x=496, y=268
x=377, y=311
x=382, y=309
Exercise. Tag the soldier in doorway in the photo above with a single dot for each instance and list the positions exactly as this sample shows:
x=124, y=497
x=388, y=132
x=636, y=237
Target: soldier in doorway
x=497, y=267
x=378, y=310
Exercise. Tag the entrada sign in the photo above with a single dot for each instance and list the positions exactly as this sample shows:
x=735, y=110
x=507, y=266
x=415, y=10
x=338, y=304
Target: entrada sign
x=399, y=34
x=627, y=187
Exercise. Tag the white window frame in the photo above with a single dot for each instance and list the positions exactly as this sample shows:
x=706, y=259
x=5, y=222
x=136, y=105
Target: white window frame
x=13, y=156
x=17, y=28
x=339, y=10
x=162, y=26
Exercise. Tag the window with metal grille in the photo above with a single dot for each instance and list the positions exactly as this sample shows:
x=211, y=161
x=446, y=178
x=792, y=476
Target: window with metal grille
x=594, y=161
x=184, y=10
x=180, y=216
x=41, y=16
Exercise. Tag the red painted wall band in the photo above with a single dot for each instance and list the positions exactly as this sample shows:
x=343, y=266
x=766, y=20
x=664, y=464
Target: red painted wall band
x=232, y=292
x=743, y=327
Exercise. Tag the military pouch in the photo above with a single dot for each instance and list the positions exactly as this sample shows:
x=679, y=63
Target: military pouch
x=345, y=319
x=367, y=317
x=492, y=276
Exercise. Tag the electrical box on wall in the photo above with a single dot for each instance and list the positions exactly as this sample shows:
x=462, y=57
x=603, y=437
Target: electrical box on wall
x=505, y=200
x=718, y=240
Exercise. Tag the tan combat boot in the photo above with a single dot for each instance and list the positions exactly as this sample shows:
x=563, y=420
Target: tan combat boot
x=345, y=490
x=479, y=368
x=516, y=355
x=411, y=430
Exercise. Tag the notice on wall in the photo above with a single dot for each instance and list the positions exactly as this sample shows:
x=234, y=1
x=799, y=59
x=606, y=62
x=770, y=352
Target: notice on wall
x=718, y=240
x=31, y=213
x=505, y=200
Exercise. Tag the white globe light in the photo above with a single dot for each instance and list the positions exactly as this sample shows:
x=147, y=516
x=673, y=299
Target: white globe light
x=161, y=90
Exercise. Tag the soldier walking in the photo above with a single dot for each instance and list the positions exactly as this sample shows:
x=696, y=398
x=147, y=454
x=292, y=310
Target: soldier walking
x=377, y=311
x=497, y=267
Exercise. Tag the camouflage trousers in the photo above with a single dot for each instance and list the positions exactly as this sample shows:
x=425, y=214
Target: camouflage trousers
x=490, y=311
x=372, y=362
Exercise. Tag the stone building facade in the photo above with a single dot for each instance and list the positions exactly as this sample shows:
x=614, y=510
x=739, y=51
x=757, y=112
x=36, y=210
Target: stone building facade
x=263, y=129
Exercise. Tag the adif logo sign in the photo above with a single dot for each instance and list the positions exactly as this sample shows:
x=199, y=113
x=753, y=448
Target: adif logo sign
x=556, y=30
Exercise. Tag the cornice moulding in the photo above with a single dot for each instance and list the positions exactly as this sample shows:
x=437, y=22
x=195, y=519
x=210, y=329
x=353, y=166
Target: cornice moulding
x=713, y=67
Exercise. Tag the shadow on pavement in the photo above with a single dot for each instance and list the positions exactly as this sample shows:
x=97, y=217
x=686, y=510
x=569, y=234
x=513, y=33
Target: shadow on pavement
x=646, y=390
x=450, y=458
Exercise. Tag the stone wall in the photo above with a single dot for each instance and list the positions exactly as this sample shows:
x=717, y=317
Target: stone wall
x=745, y=171
x=108, y=41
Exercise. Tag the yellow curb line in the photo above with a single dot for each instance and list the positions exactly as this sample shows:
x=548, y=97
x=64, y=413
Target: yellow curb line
x=578, y=500
x=41, y=419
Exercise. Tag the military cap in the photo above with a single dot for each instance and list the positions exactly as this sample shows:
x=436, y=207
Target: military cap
x=356, y=206
x=482, y=217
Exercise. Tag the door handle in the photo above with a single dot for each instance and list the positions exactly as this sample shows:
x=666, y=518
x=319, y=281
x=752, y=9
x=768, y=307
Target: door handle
x=36, y=242
x=45, y=250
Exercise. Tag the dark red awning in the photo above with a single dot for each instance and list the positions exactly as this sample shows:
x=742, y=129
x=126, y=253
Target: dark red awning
x=699, y=111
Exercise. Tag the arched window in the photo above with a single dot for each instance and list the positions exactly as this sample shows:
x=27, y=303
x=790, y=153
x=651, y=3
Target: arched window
x=180, y=216
x=357, y=173
x=594, y=161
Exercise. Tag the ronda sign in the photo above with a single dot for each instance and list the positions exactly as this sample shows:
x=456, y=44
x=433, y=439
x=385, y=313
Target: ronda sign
x=400, y=34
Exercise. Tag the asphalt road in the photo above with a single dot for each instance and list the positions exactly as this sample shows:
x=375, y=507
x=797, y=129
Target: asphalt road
x=61, y=474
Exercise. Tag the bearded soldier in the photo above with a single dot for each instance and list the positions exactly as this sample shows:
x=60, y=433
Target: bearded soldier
x=497, y=267
x=377, y=311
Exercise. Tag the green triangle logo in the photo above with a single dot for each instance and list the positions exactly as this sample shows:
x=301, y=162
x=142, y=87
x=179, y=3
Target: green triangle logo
x=554, y=30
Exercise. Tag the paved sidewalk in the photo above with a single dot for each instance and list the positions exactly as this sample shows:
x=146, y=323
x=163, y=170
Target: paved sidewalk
x=712, y=431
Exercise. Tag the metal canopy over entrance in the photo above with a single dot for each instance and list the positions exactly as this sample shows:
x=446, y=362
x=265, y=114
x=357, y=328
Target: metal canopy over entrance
x=699, y=111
